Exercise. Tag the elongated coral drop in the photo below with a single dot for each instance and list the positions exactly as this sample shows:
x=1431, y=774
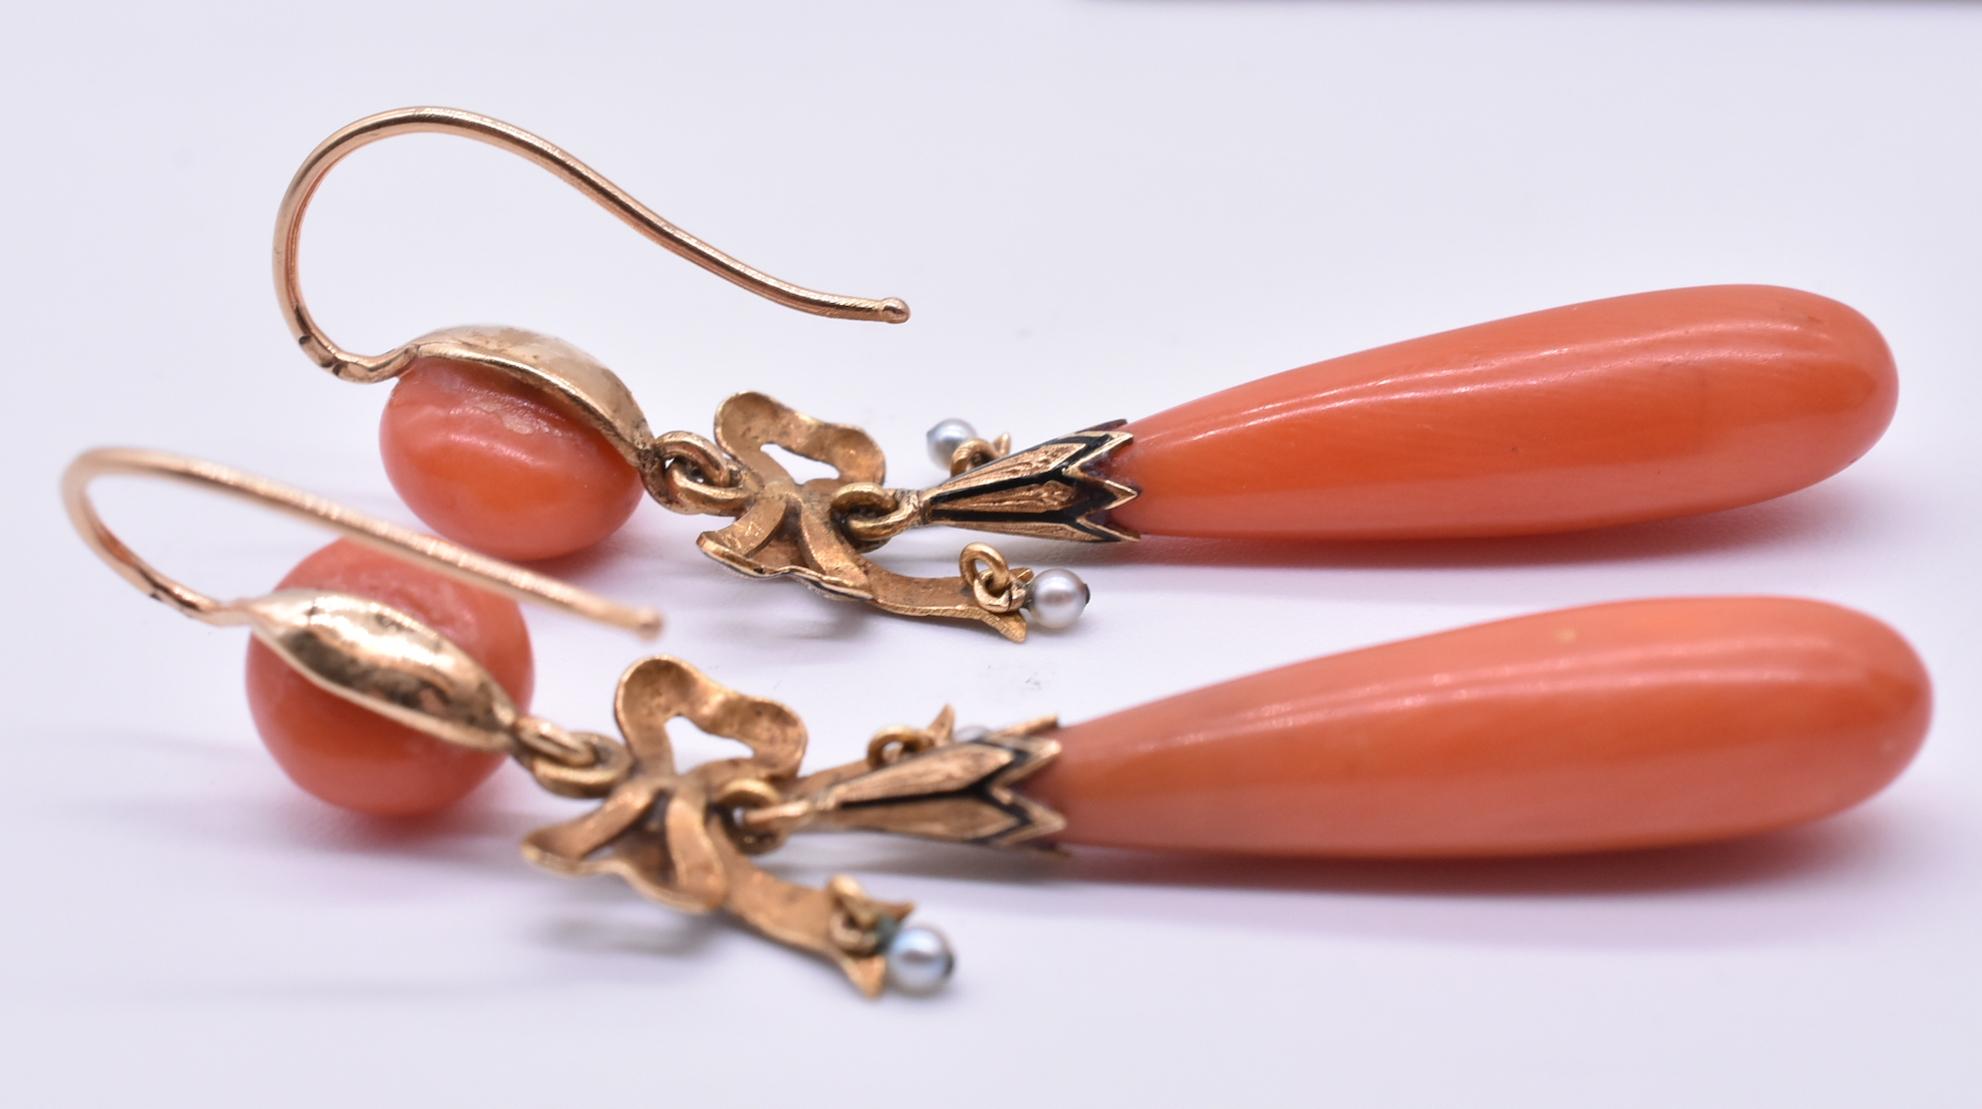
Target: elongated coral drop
x=1624, y=725
x=1635, y=408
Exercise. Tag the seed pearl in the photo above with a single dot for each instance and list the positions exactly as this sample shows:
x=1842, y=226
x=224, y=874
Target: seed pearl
x=1057, y=599
x=919, y=960
x=946, y=437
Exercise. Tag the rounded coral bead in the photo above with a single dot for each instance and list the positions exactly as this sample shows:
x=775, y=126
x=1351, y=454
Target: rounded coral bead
x=501, y=465
x=342, y=752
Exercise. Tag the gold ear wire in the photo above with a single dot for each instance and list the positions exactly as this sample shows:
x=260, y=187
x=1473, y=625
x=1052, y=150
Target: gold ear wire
x=421, y=550
x=451, y=121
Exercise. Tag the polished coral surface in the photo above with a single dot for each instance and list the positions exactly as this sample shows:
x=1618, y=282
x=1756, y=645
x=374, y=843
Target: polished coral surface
x=1634, y=408
x=501, y=465
x=352, y=757
x=1624, y=725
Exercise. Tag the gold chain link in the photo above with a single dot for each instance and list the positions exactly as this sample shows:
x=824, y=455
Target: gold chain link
x=856, y=924
x=871, y=514
x=891, y=745
x=972, y=453
x=568, y=763
x=993, y=583
x=743, y=794
x=691, y=475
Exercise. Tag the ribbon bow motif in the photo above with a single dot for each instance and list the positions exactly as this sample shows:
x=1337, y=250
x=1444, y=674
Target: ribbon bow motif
x=664, y=832
x=787, y=527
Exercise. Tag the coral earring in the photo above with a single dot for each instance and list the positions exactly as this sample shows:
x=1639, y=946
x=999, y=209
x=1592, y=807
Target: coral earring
x=501, y=465
x=1615, y=726
x=344, y=753
x=1616, y=411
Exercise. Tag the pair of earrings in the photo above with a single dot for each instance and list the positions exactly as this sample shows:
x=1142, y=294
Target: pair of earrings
x=390, y=673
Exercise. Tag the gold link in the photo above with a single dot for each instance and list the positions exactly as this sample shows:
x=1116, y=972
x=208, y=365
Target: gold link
x=744, y=794
x=993, y=583
x=972, y=453
x=691, y=475
x=871, y=514
x=536, y=736
x=567, y=763
x=856, y=925
x=891, y=745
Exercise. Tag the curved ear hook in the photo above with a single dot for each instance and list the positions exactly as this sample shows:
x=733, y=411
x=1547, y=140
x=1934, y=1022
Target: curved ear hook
x=421, y=550
x=452, y=121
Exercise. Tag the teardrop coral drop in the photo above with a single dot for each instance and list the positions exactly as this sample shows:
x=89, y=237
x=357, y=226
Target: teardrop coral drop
x=1635, y=408
x=350, y=756
x=500, y=465
x=1623, y=725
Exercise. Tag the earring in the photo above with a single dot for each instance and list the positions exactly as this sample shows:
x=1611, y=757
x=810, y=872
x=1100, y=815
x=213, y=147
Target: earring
x=1638, y=724
x=1616, y=411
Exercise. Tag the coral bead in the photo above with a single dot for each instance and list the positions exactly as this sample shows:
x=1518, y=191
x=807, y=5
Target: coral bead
x=350, y=756
x=1616, y=411
x=501, y=465
x=1615, y=726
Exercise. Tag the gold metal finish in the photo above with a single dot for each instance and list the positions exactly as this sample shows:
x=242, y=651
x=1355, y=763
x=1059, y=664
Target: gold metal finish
x=586, y=386
x=928, y=784
x=684, y=838
x=389, y=662
x=788, y=528
x=972, y=453
x=817, y=532
x=504, y=136
x=358, y=649
x=422, y=550
x=1056, y=490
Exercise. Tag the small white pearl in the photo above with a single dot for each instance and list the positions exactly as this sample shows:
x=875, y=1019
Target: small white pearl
x=970, y=733
x=1057, y=599
x=919, y=960
x=946, y=437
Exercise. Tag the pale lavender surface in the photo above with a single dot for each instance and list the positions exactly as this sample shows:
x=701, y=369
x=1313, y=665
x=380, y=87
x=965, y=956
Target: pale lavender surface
x=1124, y=205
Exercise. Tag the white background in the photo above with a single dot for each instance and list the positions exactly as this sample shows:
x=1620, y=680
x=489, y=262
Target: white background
x=1096, y=209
